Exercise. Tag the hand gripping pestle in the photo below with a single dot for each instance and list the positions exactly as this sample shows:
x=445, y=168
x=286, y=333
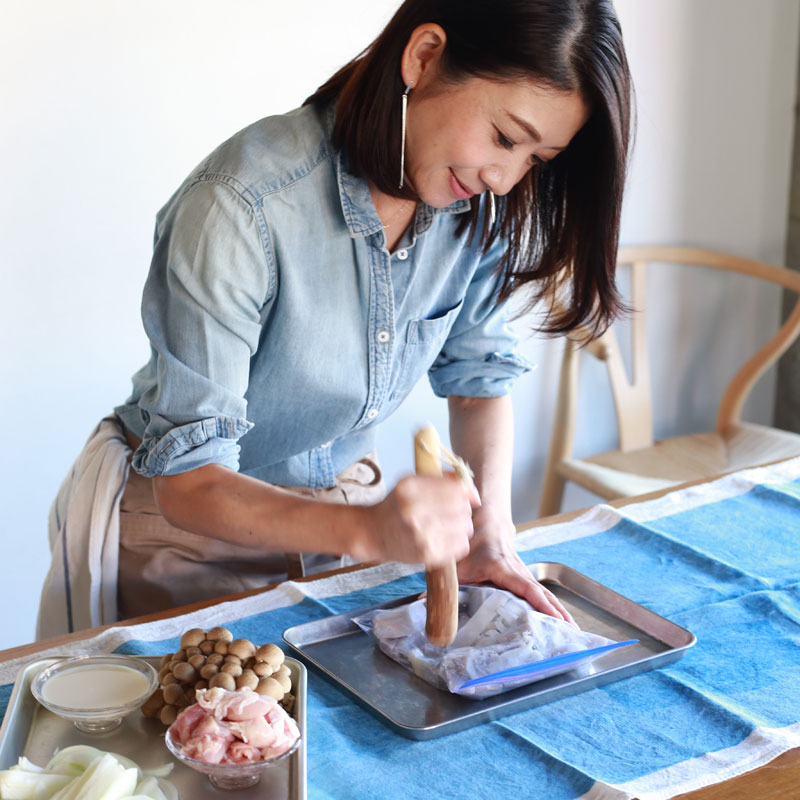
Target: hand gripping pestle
x=441, y=621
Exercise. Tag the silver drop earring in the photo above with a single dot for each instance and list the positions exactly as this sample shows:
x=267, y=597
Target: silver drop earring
x=403, y=111
x=492, y=208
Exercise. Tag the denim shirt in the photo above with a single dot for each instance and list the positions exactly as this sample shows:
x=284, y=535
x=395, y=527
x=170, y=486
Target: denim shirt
x=275, y=310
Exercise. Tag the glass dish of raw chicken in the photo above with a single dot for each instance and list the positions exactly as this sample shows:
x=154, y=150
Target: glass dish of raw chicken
x=232, y=736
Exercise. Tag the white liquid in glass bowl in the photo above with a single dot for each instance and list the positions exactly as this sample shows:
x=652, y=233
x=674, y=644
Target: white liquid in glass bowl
x=95, y=692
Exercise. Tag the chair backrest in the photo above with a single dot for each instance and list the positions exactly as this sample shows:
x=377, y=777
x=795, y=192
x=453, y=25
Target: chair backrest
x=632, y=398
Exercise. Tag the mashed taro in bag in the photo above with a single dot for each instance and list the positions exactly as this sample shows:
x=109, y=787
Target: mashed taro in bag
x=496, y=630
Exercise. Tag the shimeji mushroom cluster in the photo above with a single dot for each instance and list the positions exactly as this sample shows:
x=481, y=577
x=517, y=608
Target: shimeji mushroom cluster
x=214, y=658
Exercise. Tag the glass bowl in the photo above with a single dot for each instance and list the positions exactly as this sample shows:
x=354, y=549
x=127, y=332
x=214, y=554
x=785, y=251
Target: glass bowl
x=95, y=692
x=228, y=776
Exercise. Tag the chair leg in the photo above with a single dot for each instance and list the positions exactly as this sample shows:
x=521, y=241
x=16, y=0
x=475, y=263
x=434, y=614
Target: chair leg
x=552, y=493
x=563, y=431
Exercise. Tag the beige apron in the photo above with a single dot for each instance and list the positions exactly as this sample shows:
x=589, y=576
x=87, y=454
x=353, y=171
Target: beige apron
x=161, y=566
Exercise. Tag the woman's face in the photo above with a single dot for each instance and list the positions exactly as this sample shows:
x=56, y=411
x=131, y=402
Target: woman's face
x=476, y=135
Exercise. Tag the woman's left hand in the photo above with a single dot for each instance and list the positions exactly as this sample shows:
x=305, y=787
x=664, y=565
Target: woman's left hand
x=493, y=559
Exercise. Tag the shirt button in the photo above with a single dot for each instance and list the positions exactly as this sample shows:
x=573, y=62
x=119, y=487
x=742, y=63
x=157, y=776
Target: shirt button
x=402, y=254
x=383, y=336
x=326, y=445
x=372, y=413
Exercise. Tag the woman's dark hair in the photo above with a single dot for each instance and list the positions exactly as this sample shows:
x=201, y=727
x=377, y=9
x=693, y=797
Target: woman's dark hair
x=562, y=219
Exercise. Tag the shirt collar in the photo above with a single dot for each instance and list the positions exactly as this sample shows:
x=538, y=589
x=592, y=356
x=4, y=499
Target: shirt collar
x=358, y=209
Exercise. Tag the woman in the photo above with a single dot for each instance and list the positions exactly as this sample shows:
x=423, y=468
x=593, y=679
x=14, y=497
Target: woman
x=314, y=266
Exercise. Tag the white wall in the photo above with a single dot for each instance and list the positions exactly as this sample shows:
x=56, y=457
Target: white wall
x=107, y=105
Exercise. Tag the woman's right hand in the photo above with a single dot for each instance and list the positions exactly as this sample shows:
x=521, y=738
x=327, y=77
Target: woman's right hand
x=424, y=520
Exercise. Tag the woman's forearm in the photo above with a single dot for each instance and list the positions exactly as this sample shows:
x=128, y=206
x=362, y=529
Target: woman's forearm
x=423, y=520
x=482, y=433
x=218, y=502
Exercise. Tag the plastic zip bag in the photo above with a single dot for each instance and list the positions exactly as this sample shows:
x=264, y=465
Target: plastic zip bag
x=502, y=643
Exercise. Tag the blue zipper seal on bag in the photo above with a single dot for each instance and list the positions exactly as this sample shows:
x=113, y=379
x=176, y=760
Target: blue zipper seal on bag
x=529, y=670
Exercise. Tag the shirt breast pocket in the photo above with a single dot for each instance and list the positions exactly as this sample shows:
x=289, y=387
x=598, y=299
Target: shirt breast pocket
x=423, y=342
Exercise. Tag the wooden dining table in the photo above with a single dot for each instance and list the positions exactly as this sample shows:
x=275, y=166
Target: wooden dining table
x=777, y=780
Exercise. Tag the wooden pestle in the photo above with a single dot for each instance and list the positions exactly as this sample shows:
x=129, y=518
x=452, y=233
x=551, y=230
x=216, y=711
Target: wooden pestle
x=441, y=622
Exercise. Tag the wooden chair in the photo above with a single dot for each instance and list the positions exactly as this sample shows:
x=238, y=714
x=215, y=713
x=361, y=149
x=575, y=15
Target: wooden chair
x=641, y=465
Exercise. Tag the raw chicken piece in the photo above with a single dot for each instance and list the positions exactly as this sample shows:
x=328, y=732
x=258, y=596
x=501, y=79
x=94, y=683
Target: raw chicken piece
x=237, y=706
x=208, y=741
x=241, y=753
x=185, y=722
x=286, y=733
x=256, y=732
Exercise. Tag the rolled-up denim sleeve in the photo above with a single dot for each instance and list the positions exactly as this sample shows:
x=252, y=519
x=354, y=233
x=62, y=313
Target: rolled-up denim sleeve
x=202, y=308
x=480, y=356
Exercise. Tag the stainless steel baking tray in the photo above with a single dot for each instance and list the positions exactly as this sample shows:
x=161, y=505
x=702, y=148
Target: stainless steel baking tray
x=339, y=650
x=31, y=730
